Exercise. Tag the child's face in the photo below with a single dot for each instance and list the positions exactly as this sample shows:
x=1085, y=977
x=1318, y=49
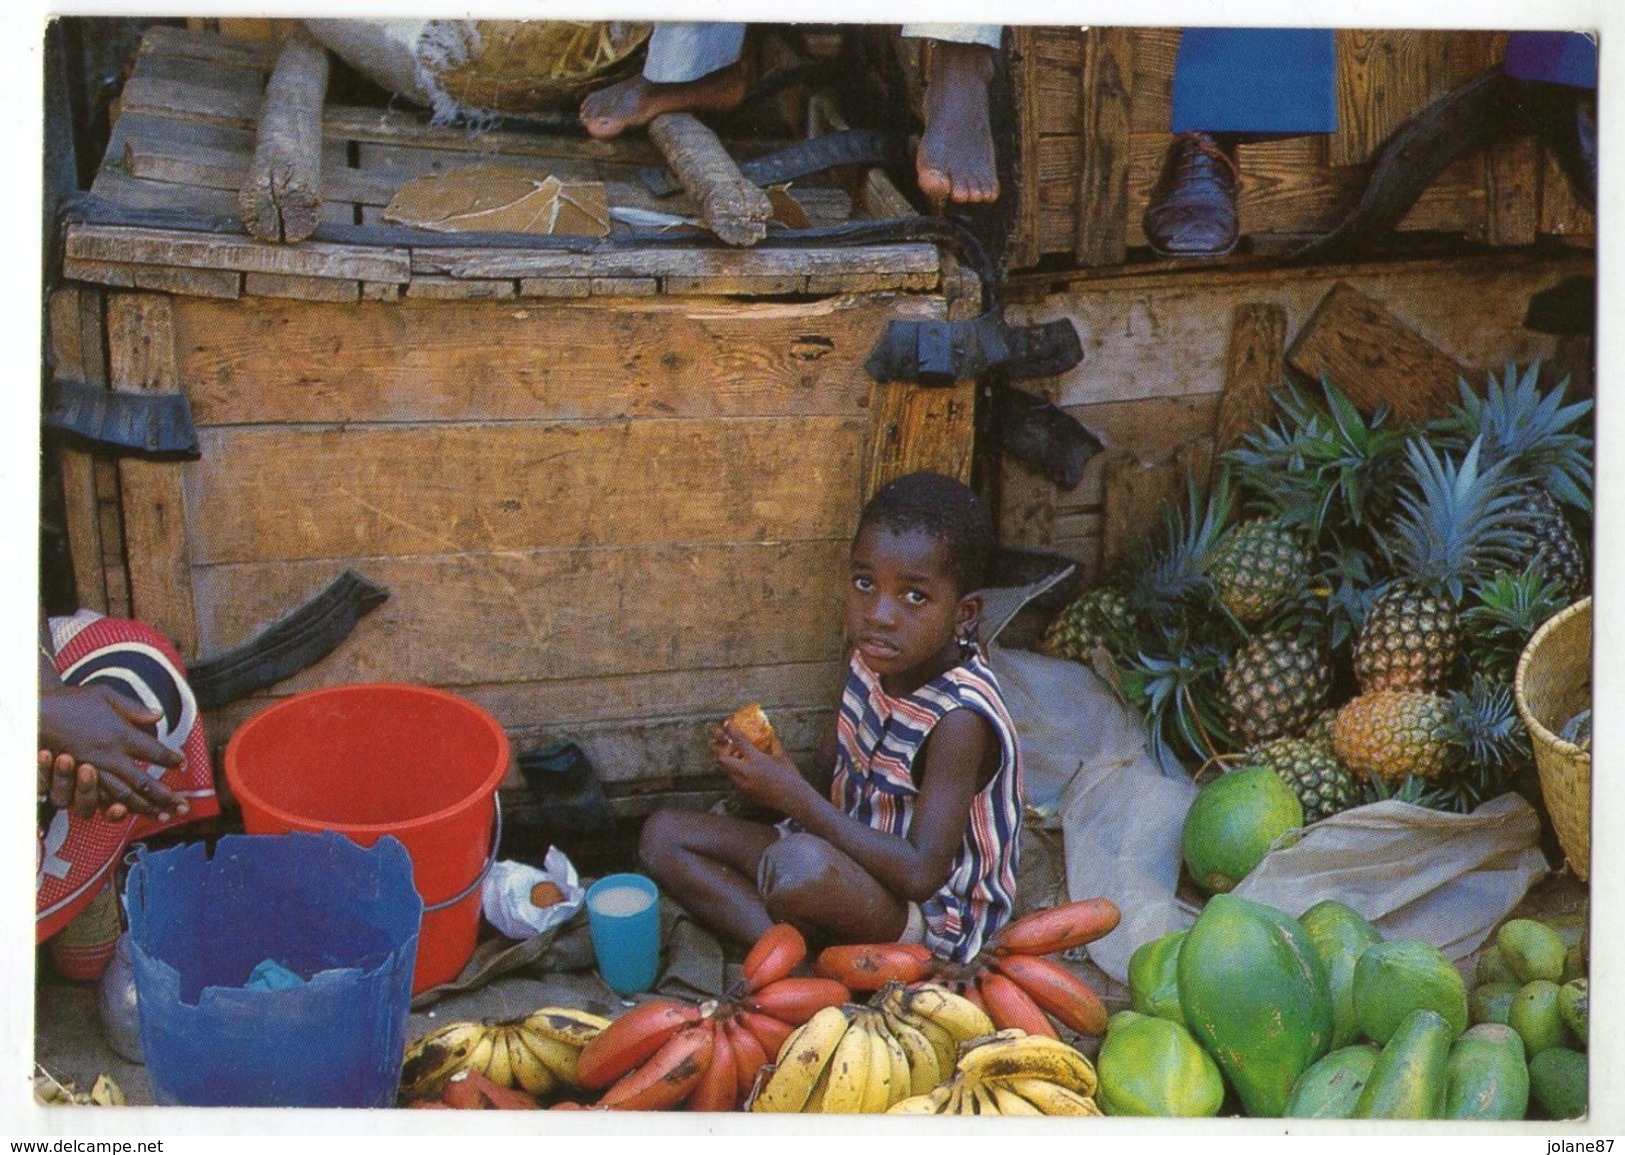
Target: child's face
x=902, y=607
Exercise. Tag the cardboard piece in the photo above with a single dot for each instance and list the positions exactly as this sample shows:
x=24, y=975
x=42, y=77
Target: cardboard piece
x=495, y=198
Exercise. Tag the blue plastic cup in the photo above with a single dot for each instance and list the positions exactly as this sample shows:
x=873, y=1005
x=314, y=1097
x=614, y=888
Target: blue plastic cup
x=623, y=914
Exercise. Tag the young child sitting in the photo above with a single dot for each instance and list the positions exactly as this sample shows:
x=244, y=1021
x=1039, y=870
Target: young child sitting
x=906, y=828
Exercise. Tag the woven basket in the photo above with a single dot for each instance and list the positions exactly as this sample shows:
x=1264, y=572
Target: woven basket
x=1552, y=685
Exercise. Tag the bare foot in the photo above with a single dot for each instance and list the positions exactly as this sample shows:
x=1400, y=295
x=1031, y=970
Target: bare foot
x=955, y=160
x=636, y=101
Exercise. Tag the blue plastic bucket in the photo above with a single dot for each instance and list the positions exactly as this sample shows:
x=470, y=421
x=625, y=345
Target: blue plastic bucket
x=341, y=917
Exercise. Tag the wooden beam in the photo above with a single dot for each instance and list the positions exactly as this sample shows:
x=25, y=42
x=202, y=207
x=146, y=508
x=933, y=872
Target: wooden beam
x=70, y=348
x=281, y=196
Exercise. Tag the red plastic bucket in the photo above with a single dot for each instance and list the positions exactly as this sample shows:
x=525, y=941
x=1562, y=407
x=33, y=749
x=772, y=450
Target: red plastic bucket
x=374, y=759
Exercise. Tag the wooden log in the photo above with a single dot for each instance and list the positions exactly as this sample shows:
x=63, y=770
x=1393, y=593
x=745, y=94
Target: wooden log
x=1257, y=360
x=281, y=197
x=1375, y=358
x=731, y=206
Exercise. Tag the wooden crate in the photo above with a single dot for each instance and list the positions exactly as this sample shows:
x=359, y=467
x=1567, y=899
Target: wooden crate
x=1174, y=357
x=610, y=493
x=1094, y=108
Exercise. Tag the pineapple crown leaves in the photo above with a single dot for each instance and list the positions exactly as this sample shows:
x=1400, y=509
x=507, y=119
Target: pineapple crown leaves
x=1455, y=521
x=1177, y=697
x=1319, y=465
x=1504, y=611
x=1486, y=726
x=1533, y=430
x=1172, y=568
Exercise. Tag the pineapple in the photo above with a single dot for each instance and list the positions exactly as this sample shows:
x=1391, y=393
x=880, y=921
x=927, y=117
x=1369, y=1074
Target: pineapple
x=1503, y=613
x=1256, y=566
x=1464, y=745
x=1322, y=783
x=1393, y=734
x=1275, y=684
x=1537, y=436
x=1096, y=618
x=1456, y=524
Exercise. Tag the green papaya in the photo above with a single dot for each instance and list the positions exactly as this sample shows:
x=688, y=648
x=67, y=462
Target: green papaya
x=1491, y=1002
x=1486, y=1075
x=1331, y=1086
x=1535, y=1015
x=1153, y=977
x=1151, y=1066
x=1231, y=823
x=1409, y=1079
x=1574, y=1006
x=1532, y=950
x=1339, y=935
x=1256, y=997
x=1394, y=978
x=1557, y=1082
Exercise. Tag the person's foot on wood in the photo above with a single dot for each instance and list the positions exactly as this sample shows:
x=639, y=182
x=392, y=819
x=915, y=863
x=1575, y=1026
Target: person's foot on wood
x=955, y=160
x=635, y=102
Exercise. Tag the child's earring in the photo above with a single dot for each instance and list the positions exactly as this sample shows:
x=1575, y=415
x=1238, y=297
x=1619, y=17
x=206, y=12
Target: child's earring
x=967, y=642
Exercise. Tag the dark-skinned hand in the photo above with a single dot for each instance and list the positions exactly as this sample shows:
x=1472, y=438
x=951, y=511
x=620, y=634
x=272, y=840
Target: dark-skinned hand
x=96, y=729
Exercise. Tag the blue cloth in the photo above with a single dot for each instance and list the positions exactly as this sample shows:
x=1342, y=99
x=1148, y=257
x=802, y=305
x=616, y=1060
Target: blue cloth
x=1276, y=81
x=1558, y=57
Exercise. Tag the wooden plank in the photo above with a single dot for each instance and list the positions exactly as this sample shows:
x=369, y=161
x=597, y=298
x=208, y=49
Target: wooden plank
x=879, y=198
x=222, y=283
x=635, y=357
x=142, y=360
x=146, y=246
x=566, y=286
x=113, y=185
x=1375, y=358
x=67, y=345
x=763, y=285
x=220, y=75
x=373, y=291
x=271, y=492
x=458, y=619
x=169, y=40
x=1471, y=308
x=179, y=100
x=1155, y=50
x=1512, y=187
x=1024, y=65
x=835, y=283
x=623, y=287
x=300, y=288
x=458, y=289
x=1104, y=164
x=901, y=260
x=917, y=427
x=1056, y=83
x=1136, y=495
x=1561, y=213
x=397, y=126
x=1256, y=368
x=1382, y=78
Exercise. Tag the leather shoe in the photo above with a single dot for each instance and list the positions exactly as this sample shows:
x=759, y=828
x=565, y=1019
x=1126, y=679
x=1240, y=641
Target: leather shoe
x=1192, y=210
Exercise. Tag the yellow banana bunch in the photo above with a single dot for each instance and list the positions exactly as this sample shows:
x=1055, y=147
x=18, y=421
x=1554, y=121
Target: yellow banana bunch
x=940, y=1018
x=1010, y=1072
x=845, y=1060
x=536, y=1054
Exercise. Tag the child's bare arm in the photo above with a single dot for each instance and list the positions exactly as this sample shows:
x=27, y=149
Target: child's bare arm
x=951, y=767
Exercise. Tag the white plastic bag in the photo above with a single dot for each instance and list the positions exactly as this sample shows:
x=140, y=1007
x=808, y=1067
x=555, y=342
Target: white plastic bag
x=505, y=897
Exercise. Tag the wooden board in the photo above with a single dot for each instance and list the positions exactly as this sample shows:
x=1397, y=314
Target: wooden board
x=630, y=359
x=1375, y=358
x=1255, y=369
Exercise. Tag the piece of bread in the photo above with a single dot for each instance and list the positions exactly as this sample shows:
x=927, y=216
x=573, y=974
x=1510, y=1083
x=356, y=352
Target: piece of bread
x=545, y=894
x=754, y=725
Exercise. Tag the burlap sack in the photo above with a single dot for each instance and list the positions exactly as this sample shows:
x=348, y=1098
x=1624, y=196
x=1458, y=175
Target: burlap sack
x=469, y=69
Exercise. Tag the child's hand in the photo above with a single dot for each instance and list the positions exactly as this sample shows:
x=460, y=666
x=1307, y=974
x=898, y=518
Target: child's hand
x=770, y=779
